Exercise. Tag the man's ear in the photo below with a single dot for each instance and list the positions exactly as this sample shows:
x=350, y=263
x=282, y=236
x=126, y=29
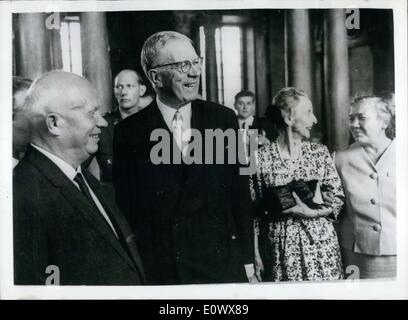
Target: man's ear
x=142, y=90
x=155, y=78
x=53, y=122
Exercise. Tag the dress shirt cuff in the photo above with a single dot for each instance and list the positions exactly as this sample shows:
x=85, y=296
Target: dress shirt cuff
x=249, y=270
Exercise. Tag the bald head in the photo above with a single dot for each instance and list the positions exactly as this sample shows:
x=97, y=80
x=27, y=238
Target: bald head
x=57, y=91
x=64, y=115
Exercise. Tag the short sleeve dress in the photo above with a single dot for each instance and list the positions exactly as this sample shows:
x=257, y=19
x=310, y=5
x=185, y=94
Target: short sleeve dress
x=294, y=248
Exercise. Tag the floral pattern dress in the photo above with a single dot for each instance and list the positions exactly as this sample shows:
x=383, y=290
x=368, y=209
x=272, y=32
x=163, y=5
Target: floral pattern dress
x=291, y=247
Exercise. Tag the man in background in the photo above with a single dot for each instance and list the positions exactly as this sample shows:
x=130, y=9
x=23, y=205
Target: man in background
x=245, y=104
x=129, y=88
x=21, y=134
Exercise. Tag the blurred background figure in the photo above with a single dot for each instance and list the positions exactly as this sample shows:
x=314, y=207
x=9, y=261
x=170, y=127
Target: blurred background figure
x=389, y=98
x=368, y=227
x=296, y=237
x=245, y=105
x=129, y=88
x=21, y=132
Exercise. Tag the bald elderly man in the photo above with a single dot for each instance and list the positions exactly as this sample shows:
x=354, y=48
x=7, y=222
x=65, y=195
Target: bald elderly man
x=67, y=230
x=129, y=88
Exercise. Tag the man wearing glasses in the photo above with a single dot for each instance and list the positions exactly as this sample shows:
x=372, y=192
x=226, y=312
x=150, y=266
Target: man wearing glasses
x=193, y=222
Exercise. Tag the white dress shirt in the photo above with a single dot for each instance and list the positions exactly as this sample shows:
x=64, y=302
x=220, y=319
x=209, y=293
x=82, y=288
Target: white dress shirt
x=168, y=114
x=15, y=162
x=248, y=122
x=70, y=172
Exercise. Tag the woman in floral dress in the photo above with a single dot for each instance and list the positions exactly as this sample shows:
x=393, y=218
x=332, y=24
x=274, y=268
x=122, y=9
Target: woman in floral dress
x=296, y=239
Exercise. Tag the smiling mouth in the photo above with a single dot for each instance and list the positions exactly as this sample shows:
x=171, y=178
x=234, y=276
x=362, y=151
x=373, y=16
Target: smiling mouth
x=94, y=136
x=190, y=85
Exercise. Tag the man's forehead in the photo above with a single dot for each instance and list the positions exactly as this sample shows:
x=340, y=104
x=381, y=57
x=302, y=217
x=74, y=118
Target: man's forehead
x=246, y=98
x=177, y=50
x=127, y=76
x=82, y=96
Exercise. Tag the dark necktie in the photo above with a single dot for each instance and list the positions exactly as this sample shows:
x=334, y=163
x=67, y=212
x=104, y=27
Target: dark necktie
x=85, y=191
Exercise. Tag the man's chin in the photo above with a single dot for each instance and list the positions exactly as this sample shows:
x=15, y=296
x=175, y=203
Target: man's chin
x=92, y=149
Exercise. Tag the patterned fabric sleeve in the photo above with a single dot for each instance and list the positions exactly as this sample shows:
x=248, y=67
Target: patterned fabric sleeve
x=255, y=181
x=332, y=183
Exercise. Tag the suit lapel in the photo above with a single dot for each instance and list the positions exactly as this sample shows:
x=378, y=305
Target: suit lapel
x=77, y=200
x=192, y=171
x=119, y=221
x=255, y=124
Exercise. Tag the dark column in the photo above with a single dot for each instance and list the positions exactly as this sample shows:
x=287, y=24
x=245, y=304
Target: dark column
x=210, y=63
x=95, y=56
x=32, y=45
x=299, y=51
x=277, y=68
x=337, y=96
x=262, y=68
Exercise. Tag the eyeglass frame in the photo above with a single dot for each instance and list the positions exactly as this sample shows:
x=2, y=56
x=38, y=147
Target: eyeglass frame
x=190, y=63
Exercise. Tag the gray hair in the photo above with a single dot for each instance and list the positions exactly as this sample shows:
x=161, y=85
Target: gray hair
x=154, y=44
x=384, y=108
x=284, y=100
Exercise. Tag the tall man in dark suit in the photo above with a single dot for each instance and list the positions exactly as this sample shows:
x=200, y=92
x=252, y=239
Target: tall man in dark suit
x=65, y=225
x=193, y=222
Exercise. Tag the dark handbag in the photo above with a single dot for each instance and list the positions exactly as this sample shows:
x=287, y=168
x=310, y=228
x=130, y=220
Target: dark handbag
x=278, y=199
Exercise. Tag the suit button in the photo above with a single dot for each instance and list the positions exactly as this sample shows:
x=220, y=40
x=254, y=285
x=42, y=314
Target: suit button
x=177, y=255
x=373, y=201
x=233, y=237
x=129, y=239
x=373, y=176
x=377, y=227
x=266, y=212
x=160, y=193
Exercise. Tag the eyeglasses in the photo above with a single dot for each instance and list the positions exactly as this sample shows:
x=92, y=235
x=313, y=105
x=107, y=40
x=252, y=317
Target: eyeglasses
x=183, y=66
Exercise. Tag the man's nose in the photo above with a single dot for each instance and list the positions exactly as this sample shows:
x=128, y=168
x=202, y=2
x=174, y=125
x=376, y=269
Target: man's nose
x=195, y=70
x=101, y=122
x=314, y=119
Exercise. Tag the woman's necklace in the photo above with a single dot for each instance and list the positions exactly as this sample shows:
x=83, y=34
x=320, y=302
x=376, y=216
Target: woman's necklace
x=291, y=164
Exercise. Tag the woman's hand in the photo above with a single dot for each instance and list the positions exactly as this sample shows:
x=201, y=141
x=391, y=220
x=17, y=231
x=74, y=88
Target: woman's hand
x=328, y=198
x=303, y=211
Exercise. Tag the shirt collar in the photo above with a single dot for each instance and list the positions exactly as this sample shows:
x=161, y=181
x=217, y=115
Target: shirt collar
x=248, y=121
x=66, y=168
x=168, y=113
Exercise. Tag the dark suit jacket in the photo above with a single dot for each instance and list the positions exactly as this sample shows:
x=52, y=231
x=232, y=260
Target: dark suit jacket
x=193, y=223
x=54, y=224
